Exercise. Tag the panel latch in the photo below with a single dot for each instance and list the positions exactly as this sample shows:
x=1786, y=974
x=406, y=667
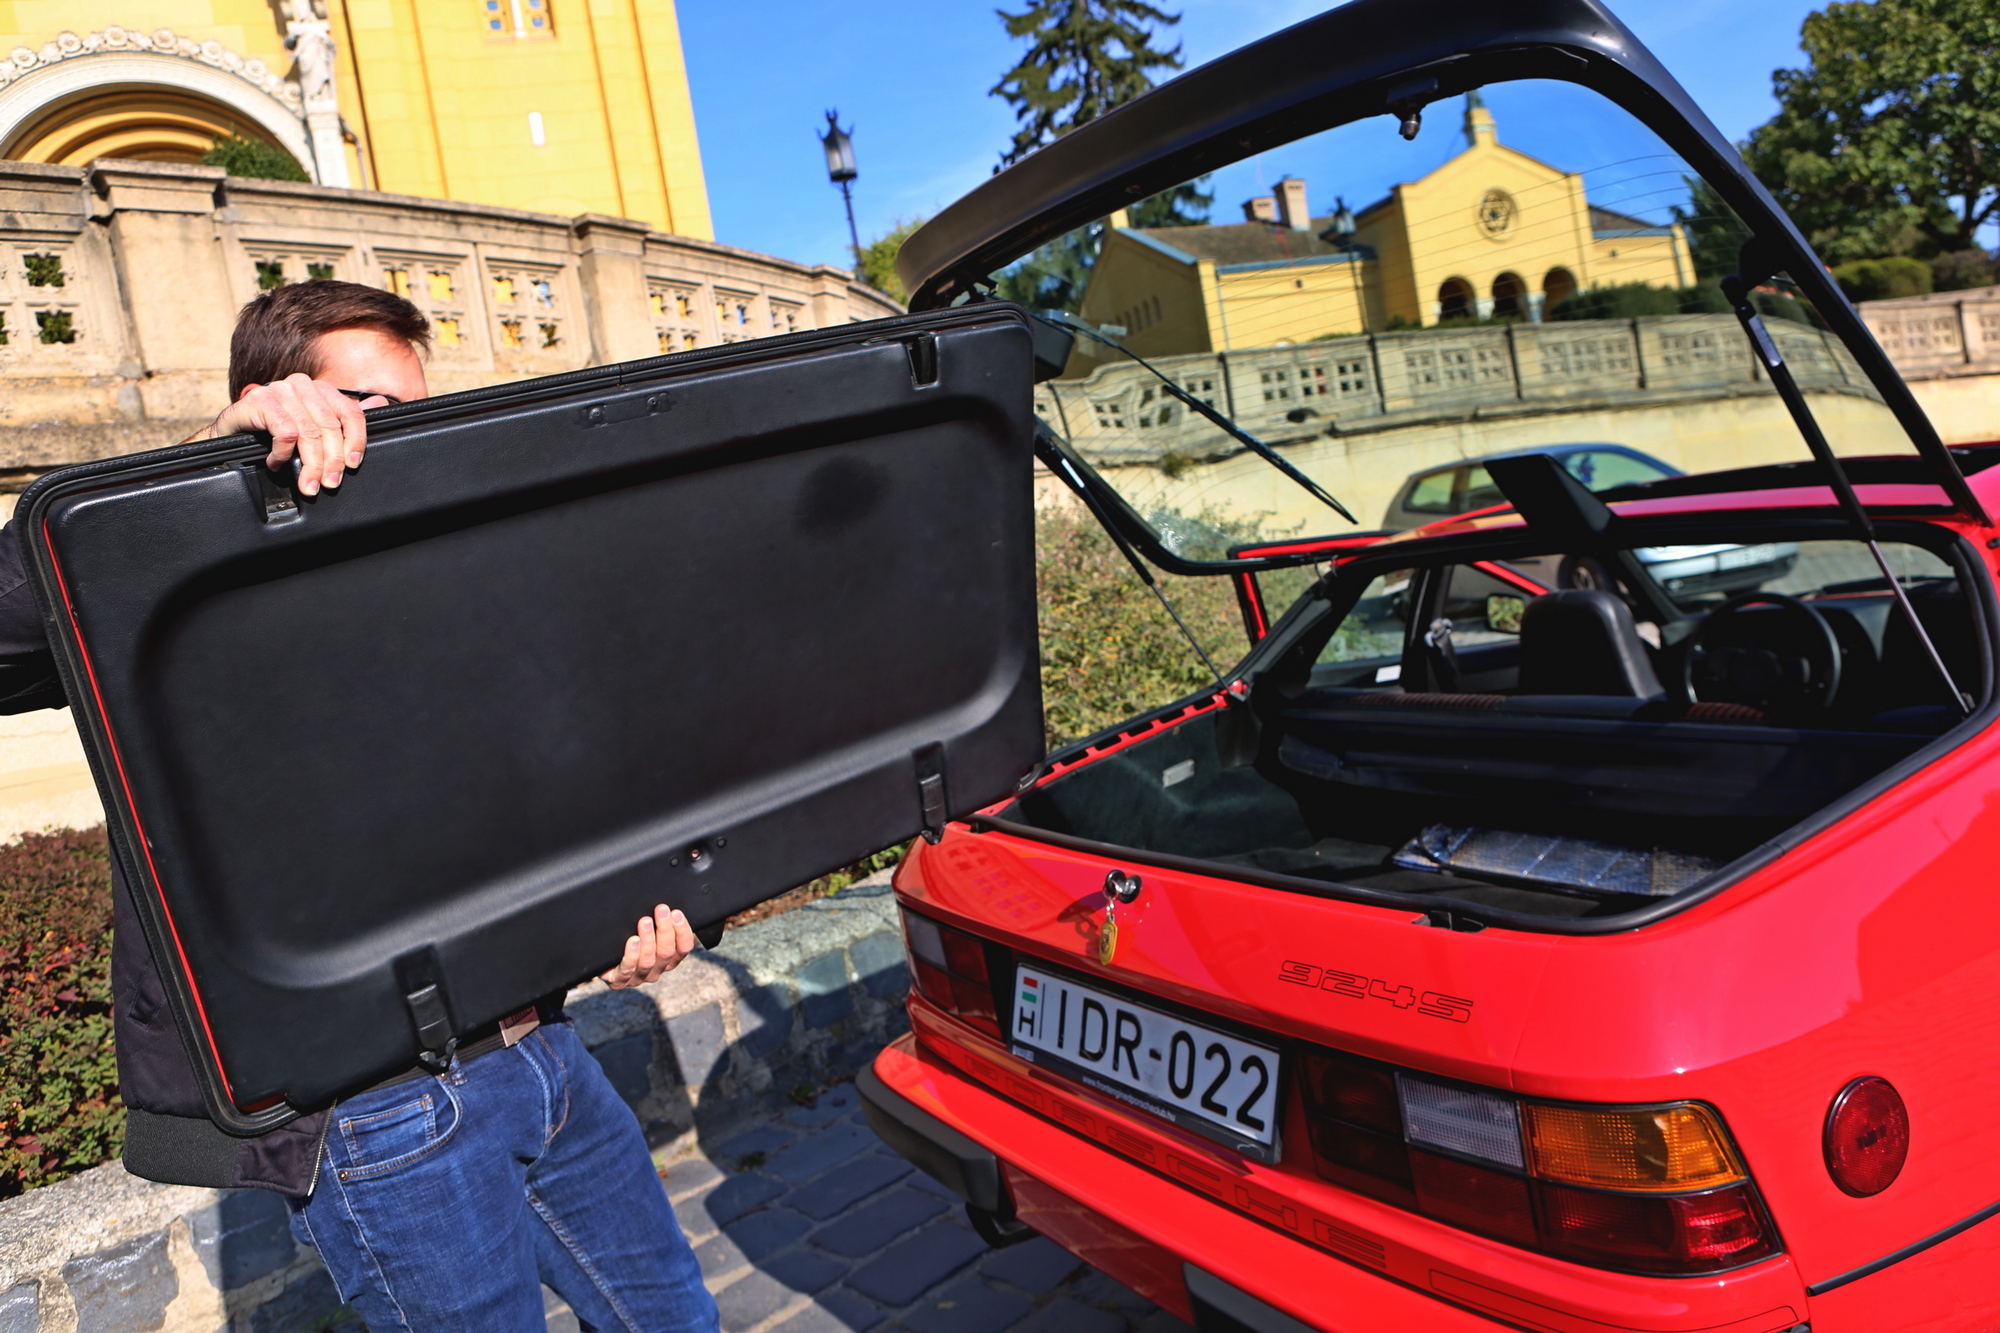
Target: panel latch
x=923, y=350
x=433, y=1027
x=273, y=497
x=420, y=976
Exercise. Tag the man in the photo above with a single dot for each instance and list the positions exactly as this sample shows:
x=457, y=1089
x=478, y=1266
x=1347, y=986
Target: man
x=437, y=1201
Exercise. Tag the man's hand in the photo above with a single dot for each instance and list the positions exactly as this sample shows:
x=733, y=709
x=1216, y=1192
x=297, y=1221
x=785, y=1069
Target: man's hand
x=664, y=939
x=307, y=417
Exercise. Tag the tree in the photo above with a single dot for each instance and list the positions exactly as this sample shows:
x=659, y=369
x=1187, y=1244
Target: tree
x=1084, y=57
x=1183, y=206
x=878, y=259
x=253, y=159
x=1715, y=235
x=1888, y=141
x=1054, y=276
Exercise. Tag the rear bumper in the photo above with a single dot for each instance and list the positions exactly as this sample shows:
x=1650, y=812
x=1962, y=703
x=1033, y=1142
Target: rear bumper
x=934, y=1147
x=976, y=1176
x=1127, y=1221
x=1162, y=1239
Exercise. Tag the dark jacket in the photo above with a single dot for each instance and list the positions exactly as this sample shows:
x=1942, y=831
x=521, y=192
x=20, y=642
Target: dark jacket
x=168, y=1135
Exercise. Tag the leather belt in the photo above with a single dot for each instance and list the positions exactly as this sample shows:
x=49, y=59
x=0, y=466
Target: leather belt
x=481, y=1041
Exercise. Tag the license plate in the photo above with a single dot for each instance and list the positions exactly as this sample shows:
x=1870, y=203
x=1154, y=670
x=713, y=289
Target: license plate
x=1745, y=556
x=1210, y=1081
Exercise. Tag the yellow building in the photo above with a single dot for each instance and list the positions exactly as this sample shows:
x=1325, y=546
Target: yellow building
x=1492, y=232
x=554, y=106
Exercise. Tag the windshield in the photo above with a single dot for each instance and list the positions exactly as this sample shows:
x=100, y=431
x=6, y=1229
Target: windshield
x=1366, y=317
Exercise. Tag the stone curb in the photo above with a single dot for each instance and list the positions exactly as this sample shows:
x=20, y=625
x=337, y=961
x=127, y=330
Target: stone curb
x=796, y=999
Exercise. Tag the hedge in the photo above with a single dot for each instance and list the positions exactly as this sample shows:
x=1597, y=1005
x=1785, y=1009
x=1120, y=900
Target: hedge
x=1108, y=648
x=59, y=1108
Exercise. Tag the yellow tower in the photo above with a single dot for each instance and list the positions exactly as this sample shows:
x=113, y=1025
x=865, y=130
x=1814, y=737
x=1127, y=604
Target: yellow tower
x=553, y=106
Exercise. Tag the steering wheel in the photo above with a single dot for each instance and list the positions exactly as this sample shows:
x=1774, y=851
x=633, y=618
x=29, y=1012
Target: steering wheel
x=1730, y=661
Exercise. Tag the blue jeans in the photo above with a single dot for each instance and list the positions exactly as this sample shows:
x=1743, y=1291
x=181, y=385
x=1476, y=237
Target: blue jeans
x=443, y=1203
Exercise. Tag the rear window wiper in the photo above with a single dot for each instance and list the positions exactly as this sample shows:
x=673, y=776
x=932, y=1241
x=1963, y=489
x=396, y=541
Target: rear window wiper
x=1193, y=404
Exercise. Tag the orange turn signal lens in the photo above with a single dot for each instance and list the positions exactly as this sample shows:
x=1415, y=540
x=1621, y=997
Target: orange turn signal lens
x=1675, y=1148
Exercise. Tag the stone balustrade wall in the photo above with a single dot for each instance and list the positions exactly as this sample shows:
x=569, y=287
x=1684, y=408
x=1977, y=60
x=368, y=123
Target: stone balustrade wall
x=1941, y=336
x=120, y=283
x=1391, y=381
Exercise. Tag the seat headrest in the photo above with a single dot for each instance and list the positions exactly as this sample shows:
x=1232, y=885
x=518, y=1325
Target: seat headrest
x=1583, y=641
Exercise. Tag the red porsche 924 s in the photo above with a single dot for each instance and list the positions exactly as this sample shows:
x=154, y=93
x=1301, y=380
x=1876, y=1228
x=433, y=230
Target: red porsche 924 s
x=1517, y=935
x=1575, y=914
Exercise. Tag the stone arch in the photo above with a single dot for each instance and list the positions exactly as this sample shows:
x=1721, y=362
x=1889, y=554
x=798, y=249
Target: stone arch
x=144, y=124
x=1510, y=297
x=1456, y=299
x=61, y=106
x=1558, y=285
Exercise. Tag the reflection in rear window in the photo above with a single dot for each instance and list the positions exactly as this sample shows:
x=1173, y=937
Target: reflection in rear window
x=1431, y=495
x=1601, y=472
x=1480, y=492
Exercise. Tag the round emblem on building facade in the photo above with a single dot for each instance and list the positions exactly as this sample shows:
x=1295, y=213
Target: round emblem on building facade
x=1496, y=213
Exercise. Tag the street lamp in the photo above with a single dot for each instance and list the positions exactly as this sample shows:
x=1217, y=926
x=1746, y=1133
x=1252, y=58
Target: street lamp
x=1340, y=235
x=841, y=171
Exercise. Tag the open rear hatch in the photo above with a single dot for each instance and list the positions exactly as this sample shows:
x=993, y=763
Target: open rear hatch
x=692, y=629
x=1553, y=728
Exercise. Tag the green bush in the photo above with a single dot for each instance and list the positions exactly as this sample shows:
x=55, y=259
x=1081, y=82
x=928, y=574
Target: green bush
x=1960, y=270
x=1108, y=648
x=253, y=159
x=1625, y=300
x=1884, y=279
x=59, y=1107
x=1635, y=300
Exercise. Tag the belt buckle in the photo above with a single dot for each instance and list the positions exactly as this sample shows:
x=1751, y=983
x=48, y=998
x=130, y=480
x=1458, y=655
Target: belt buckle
x=516, y=1026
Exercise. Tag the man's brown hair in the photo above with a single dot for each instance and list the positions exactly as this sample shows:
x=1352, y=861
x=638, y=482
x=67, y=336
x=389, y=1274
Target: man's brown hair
x=276, y=334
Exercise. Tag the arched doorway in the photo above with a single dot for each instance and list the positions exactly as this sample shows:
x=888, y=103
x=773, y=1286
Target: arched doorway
x=118, y=100
x=1454, y=299
x=1558, y=286
x=1510, y=297
x=144, y=124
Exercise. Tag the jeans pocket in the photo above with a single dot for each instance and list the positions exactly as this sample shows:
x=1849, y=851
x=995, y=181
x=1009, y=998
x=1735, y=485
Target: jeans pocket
x=377, y=1142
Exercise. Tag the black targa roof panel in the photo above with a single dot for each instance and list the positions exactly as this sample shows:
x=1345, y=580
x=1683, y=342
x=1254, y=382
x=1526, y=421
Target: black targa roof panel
x=468, y=717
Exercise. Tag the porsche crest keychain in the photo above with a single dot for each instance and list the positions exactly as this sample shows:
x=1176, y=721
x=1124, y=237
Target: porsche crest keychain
x=1119, y=887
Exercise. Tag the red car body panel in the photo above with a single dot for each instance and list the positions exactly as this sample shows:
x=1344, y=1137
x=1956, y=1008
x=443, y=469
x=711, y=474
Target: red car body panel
x=1870, y=949
x=1374, y=1267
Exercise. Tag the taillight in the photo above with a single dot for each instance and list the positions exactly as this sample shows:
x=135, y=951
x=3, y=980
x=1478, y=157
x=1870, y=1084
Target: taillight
x=1867, y=1137
x=949, y=967
x=1655, y=1189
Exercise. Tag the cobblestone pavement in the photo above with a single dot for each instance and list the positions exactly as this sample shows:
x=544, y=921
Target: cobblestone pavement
x=807, y=1223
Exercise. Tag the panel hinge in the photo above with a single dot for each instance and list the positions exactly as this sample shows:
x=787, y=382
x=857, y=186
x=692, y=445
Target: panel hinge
x=931, y=795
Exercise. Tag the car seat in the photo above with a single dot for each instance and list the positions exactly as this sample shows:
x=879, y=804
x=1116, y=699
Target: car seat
x=1583, y=641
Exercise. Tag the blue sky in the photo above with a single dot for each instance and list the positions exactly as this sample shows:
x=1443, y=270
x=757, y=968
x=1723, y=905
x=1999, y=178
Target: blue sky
x=912, y=77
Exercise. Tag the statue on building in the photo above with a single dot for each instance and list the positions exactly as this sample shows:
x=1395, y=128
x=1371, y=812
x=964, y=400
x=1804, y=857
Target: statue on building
x=310, y=40
x=309, y=37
